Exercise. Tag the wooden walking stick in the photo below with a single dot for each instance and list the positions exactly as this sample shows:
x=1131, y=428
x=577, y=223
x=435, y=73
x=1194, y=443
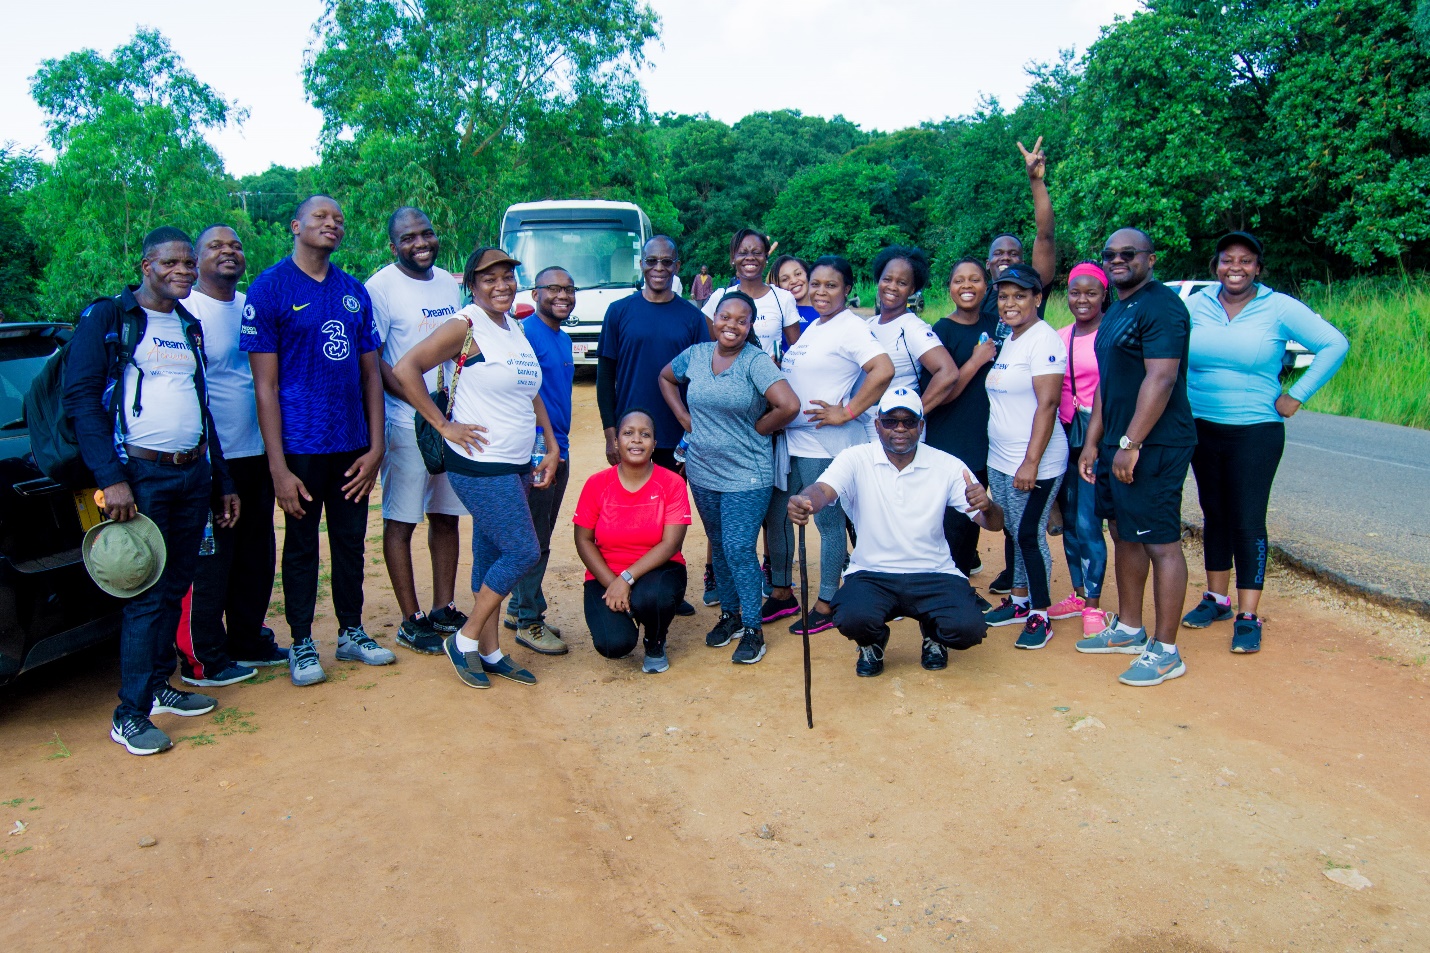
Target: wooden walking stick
x=804, y=624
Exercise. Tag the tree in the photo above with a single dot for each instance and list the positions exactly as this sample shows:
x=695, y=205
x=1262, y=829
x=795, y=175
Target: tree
x=458, y=106
x=128, y=130
x=844, y=208
x=19, y=255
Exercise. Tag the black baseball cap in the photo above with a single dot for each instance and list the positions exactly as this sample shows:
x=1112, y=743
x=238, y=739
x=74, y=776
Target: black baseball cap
x=1239, y=238
x=1024, y=276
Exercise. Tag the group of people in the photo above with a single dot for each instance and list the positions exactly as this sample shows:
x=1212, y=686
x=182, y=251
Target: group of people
x=772, y=406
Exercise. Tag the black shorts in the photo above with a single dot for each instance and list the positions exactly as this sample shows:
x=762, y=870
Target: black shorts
x=1149, y=509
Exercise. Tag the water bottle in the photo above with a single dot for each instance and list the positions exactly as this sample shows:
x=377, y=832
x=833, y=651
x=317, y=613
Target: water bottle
x=538, y=450
x=680, y=449
x=206, y=545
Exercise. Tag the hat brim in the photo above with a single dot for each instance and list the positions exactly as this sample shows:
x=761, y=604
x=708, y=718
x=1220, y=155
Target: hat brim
x=148, y=530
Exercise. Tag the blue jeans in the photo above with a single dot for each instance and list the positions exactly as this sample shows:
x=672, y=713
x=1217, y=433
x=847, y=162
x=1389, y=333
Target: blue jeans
x=804, y=472
x=177, y=499
x=1083, y=542
x=732, y=524
x=528, y=602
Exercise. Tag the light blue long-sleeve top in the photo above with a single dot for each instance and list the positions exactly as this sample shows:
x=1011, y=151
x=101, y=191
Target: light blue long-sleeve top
x=1234, y=365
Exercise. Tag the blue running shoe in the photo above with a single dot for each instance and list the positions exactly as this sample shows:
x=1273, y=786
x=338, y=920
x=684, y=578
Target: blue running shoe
x=1246, y=634
x=1153, y=668
x=1113, y=641
x=1206, y=612
x=1009, y=613
x=1037, y=632
x=655, y=660
x=303, y=665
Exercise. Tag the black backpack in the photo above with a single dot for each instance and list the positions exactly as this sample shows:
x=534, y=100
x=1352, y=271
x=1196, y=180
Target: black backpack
x=52, y=437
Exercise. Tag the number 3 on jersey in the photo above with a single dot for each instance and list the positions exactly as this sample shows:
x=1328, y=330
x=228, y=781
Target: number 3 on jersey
x=337, y=347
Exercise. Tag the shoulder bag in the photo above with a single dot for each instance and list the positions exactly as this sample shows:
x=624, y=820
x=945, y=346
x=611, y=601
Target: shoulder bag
x=429, y=439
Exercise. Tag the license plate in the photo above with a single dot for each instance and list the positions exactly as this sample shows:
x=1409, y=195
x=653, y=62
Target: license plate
x=90, y=515
x=579, y=348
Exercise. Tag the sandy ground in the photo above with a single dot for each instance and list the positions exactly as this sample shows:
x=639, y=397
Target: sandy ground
x=1017, y=801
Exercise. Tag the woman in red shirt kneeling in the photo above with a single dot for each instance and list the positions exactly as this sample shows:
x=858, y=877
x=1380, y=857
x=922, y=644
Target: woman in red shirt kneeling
x=630, y=524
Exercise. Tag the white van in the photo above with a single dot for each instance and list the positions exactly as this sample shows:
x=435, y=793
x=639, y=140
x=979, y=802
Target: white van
x=599, y=243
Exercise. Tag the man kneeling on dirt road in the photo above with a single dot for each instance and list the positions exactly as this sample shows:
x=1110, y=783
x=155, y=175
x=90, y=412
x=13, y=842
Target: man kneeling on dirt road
x=895, y=492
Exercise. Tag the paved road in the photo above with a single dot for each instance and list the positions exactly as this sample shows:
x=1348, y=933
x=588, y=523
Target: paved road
x=1351, y=502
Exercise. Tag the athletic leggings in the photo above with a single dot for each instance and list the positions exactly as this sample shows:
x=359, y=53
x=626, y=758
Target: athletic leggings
x=1083, y=542
x=804, y=472
x=1234, y=466
x=654, y=599
x=1025, y=512
x=732, y=524
x=504, y=544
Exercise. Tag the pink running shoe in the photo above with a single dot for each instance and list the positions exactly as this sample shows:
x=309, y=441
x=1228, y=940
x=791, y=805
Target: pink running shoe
x=1069, y=608
x=1093, y=622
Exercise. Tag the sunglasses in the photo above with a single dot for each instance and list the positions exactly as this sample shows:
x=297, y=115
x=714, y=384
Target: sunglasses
x=899, y=423
x=1123, y=254
x=661, y=262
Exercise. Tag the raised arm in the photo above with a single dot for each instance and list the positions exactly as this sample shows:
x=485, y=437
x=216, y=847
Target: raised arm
x=1045, y=251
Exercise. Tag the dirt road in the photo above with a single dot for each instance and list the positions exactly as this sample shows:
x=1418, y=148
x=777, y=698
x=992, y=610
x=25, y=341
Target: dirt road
x=1019, y=801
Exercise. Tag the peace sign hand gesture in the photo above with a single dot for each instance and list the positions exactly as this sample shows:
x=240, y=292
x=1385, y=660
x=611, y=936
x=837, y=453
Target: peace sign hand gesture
x=1036, y=160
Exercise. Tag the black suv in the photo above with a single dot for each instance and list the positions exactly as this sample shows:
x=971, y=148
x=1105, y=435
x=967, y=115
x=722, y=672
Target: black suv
x=49, y=607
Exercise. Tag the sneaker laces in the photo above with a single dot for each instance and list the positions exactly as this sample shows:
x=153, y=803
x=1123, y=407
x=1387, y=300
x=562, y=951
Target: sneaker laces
x=872, y=653
x=169, y=695
x=304, y=653
x=936, y=648
x=751, y=637
x=359, y=635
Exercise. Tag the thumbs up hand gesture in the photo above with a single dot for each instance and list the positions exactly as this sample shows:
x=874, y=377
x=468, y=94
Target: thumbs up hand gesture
x=975, y=494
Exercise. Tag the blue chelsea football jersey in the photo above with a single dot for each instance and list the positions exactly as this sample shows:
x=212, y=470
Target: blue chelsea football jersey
x=318, y=329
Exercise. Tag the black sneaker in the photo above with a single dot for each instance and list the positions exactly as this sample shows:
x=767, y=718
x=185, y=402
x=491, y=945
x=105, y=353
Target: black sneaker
x=751, y=648
x=685, y=608
x=1207, y=612
x=419, y=634
x=778, y=608
x=263, y=653
x=712, y=596
x=139, y=736
x=934, y=657
x=168, y=700
x=448, y=619
x=871, y=659
x=724, y=631
x=818, y=622
x=1002, y=584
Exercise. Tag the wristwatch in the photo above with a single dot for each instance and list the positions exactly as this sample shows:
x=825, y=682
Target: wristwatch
x=1126, y=444
x=626, y=575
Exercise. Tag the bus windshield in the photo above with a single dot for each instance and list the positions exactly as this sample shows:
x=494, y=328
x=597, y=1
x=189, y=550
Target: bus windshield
x=597, y=257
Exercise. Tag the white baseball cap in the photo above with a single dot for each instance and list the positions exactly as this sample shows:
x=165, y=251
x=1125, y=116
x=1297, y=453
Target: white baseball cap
x=896, y=398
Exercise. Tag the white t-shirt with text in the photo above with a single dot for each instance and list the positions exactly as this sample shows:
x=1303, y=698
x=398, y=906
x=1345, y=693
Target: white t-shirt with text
x=906, y=339
x=1013, y=404
x=824, y=364
x=229, y=376
x=169, y=419
x=406, y=311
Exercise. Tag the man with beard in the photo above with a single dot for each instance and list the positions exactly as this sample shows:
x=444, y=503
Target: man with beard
x=154, y=451
x=554, y=295
x=1139, y=445
x=895, y=492
x=222, y=637
x=411, y=298
x=309, y=334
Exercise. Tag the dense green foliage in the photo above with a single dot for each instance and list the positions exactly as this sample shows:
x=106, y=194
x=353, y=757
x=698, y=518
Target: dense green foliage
x=1303, y=120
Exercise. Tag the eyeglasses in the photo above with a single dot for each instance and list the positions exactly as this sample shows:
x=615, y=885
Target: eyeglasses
x=1123, y=254
x=661, y=262
x=555, y=290
x=899, y=423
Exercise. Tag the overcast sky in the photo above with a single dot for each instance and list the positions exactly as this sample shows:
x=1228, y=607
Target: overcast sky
x=883, y=65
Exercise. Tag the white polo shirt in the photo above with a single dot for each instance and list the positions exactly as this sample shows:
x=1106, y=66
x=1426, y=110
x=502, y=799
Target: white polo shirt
x=898, y=514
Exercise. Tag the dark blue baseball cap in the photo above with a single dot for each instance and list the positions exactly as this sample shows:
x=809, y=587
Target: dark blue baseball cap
x=1024, y=276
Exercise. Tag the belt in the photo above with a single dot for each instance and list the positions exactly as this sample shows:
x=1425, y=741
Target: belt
x=174, y=459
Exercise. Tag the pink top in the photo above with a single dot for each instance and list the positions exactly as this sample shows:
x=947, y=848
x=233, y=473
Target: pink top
x=1082, y=362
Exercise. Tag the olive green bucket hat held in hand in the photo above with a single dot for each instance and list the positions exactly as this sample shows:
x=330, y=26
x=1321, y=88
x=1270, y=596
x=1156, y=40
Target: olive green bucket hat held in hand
x=124, y=559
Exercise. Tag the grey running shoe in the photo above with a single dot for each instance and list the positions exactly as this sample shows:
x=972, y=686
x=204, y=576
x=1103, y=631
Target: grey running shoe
x=168, y=700
x=1113, y=641
x=303, y=665
x=655, y=659
x=751, y=648
x=541, y=638
x=467, y=664
x=139, y=736
x=1154, y=667
x=355, y=645
x=420, y=635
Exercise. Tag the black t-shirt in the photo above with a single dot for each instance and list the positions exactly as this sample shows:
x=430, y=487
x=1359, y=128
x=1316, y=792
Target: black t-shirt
x=1153, y=323
x=642, y=337
x=960, y=427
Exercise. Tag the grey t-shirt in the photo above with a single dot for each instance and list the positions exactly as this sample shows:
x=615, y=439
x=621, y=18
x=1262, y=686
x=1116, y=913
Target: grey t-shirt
x=726, y=454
